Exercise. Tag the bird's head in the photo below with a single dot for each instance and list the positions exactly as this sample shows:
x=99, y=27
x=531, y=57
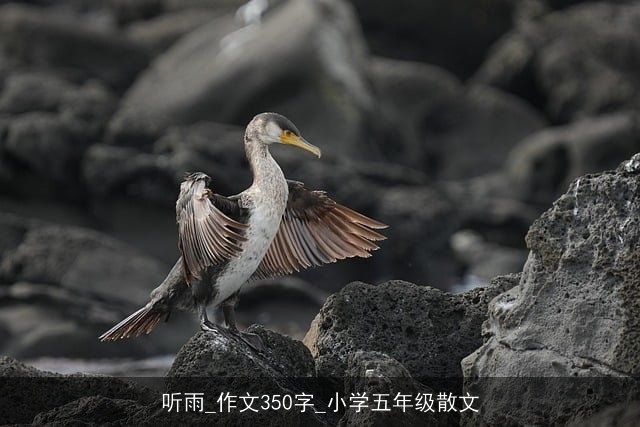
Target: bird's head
x=273, y=128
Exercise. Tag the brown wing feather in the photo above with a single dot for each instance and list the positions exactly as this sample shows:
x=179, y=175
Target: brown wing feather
x=316, y=230
x=206, y=235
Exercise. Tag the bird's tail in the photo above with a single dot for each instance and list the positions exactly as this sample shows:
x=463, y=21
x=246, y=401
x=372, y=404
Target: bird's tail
x=142, y=321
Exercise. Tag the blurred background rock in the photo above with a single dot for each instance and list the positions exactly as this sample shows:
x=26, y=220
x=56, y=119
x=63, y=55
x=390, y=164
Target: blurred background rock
x=457, y=123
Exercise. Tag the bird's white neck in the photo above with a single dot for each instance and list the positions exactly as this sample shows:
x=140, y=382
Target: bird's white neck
x=265, y=169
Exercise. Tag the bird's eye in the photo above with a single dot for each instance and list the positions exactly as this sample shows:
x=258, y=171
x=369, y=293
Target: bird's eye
x=287, y=133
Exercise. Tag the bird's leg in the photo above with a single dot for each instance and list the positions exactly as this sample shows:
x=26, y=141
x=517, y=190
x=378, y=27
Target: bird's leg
x=205, y=323
x=229, y=311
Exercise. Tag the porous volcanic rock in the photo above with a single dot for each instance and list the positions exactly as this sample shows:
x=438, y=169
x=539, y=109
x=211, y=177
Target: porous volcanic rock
x=27, y=392
x=372, y=374
x=216, y=362
x=426, y=330
x=573, y=314
x=620, y=415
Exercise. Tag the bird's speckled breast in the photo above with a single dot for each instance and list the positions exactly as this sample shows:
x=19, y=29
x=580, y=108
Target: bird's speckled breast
x=266, y=205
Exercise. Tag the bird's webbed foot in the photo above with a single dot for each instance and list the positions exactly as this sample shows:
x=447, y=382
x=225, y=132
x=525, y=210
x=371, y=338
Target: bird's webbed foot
x=252, y=340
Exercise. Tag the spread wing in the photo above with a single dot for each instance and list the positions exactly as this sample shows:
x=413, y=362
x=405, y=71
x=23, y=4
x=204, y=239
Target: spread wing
x=316, y=230
x=210, y=227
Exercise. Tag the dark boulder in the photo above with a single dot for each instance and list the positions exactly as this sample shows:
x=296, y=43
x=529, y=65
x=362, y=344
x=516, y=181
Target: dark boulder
x=48, y=124
x=82, y=260
x=578, y=62
x=433, y=31
x=28, y=392
x=381, y=378
x=235, y=71
x=541, y=167
x=217, y=362
x=442, y=127
x=39, y=38
x=426, y=330
x=63, y=286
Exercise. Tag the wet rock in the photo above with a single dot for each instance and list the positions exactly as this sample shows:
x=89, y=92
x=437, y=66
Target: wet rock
x=235, y=71
x=415, y=30
x=87, y=109
x=426, y=330
x=572, y=313
x=34, y=37
x=84, y=108
x=442, y=127
x=543, y=164
x=128, y=172
x=579, y=62
x=155, y=176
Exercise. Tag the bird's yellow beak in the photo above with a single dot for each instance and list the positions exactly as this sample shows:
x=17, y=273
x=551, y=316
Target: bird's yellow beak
x=291, y=138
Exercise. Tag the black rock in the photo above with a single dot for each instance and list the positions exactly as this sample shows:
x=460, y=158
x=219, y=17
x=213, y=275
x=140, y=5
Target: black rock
x=82, y=260
x=578, y=62
x=425, y=329
x=63, y=286
x=48, y=125
x=372, y=374
x=541, y=167
x=42, y=39
x=46, y=145
x=218, y=362
x=27, y=392
x=441, y=127
x=454, y=34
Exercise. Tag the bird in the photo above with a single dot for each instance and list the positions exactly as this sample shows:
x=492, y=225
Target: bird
x=275, y=227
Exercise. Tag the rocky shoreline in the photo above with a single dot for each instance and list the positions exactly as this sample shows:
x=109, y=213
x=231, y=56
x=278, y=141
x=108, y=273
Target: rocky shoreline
x=554, y=344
